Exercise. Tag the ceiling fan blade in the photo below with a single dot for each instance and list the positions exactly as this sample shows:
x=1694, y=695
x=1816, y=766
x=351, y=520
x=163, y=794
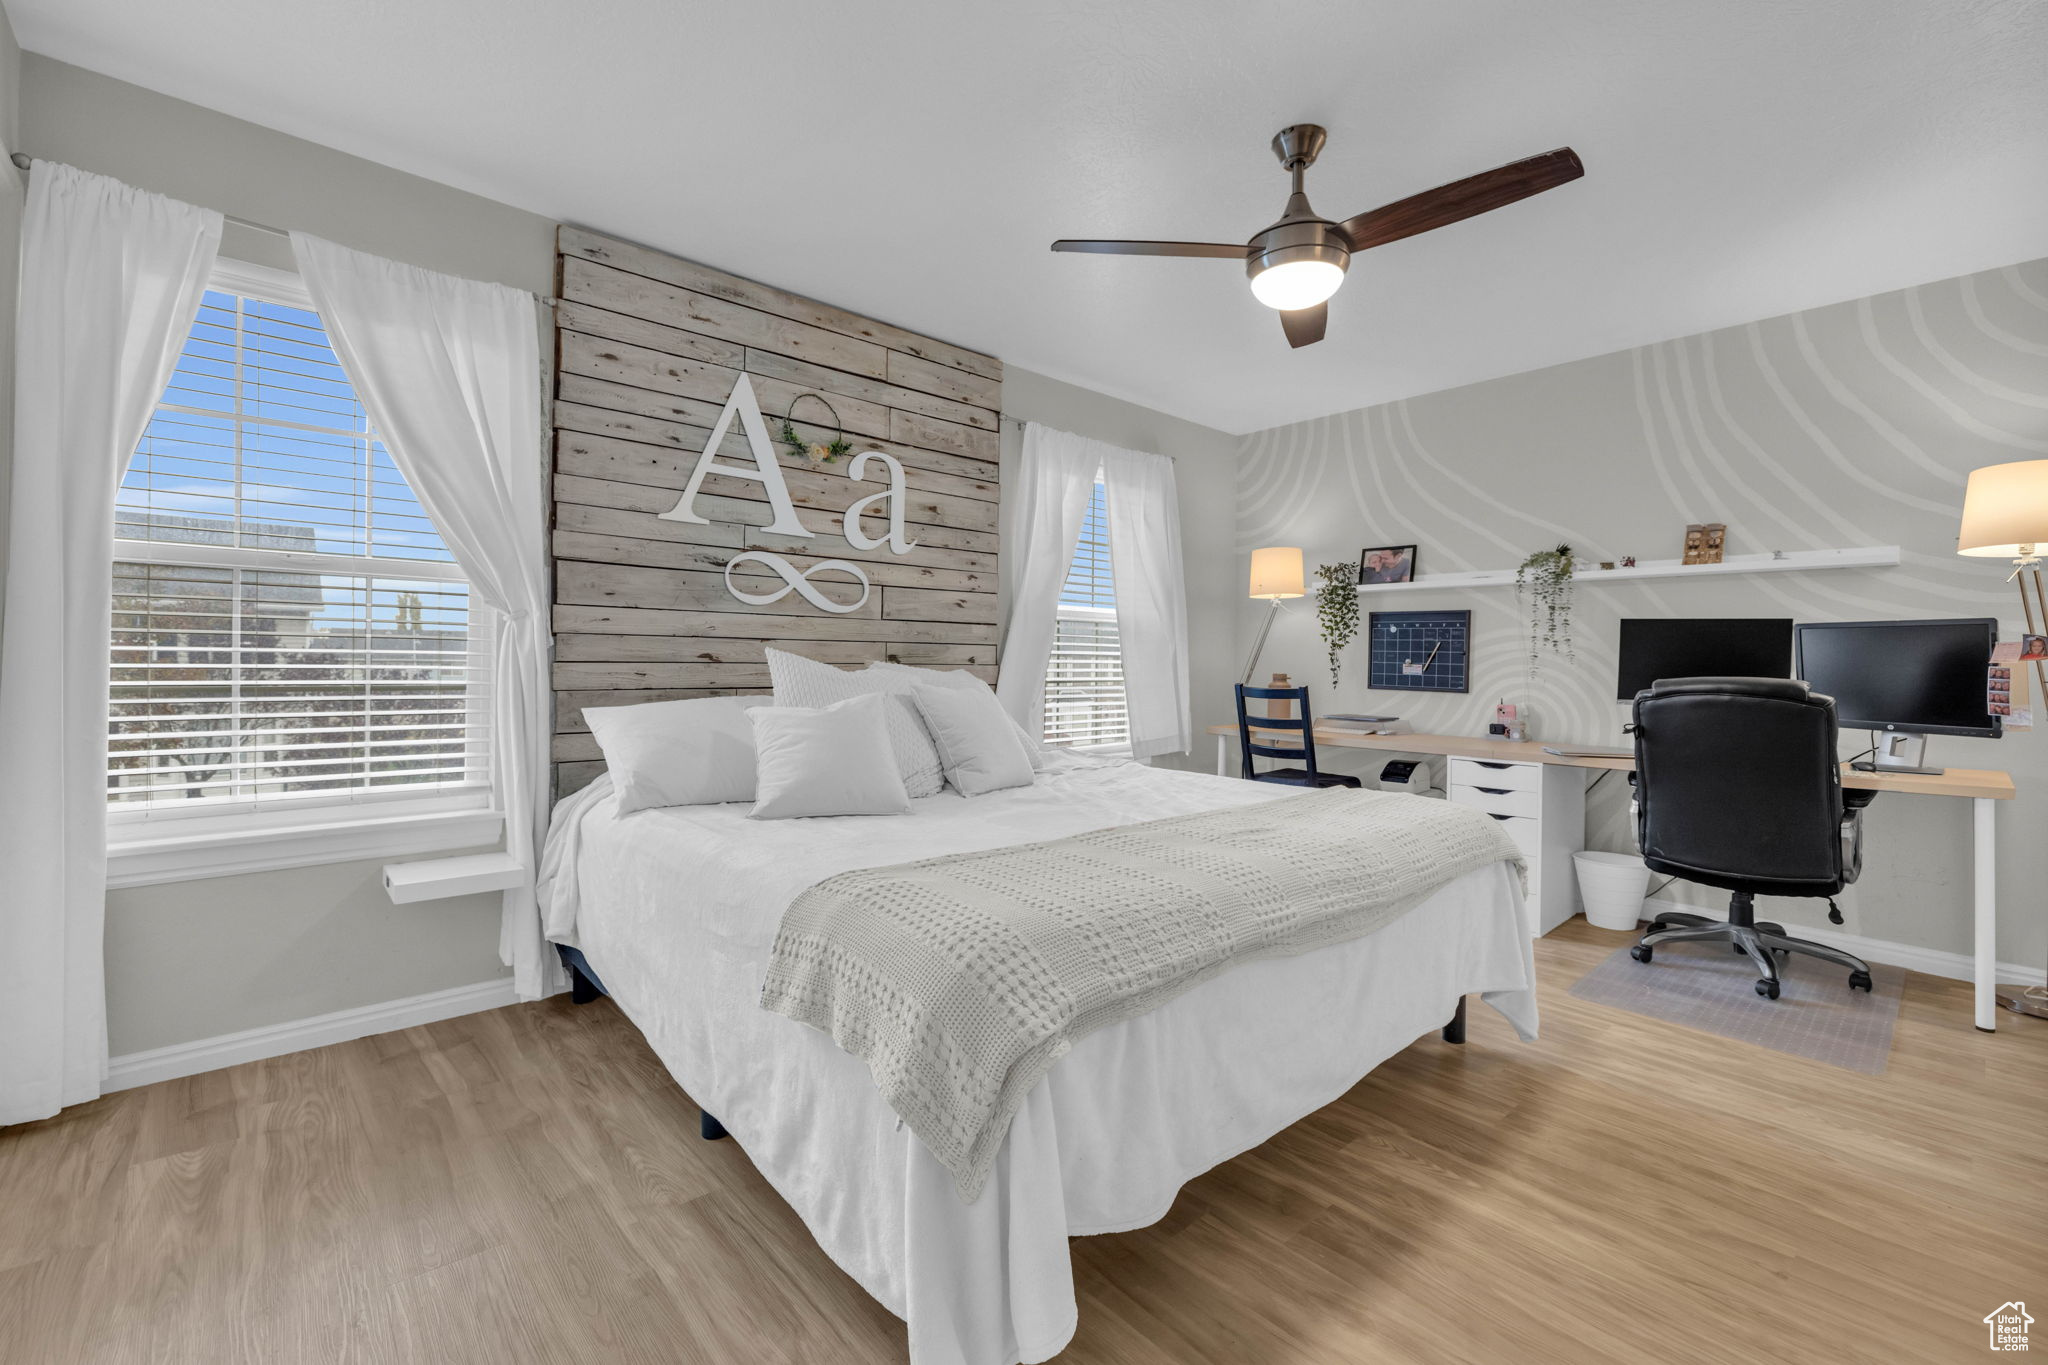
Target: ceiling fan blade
x=1220, y=250
x=1462, y=199
x=1305, y=325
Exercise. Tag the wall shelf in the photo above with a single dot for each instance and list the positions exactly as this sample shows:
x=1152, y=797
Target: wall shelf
x=1787, y=561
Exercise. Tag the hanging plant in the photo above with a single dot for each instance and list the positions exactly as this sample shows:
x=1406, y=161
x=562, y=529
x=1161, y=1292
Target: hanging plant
x=1337, y=610
x=824, y=452
x=1547, y=575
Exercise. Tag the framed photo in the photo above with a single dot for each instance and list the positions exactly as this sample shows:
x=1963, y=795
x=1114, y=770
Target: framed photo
x=1387, y=564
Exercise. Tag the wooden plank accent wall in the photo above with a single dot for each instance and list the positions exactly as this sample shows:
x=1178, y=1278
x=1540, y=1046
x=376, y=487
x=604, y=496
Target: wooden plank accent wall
x=648, y=348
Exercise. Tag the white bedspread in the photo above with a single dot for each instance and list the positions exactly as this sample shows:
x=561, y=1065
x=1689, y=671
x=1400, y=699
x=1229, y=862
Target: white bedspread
x=677, y=908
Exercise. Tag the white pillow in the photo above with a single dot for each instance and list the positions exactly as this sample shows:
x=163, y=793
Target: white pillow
x=961, y=679
x=831, y=761
x=976, y=740
x=806, y=682
x=677, y=753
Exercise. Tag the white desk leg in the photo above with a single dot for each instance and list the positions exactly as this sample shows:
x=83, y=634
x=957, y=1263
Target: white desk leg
x=1985, y=892
x=1222, y=756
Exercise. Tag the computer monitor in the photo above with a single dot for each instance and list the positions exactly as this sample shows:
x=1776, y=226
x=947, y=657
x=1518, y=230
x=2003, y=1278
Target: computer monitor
x=1913, y=677
x=1654, y=647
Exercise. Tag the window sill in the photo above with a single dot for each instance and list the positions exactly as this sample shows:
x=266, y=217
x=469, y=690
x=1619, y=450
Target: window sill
x=140, y=855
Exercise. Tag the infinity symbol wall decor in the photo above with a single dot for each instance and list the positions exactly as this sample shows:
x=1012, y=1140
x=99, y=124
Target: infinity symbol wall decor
x=797, y=581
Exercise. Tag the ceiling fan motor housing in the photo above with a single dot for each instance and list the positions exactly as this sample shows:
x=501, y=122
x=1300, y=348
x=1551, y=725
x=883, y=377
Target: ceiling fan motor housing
x=1285, y=242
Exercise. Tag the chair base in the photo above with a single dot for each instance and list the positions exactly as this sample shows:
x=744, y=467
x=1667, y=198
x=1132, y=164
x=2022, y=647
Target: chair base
x=1756, y=941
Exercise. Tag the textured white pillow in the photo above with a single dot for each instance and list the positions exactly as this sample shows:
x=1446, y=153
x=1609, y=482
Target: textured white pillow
x=677, y=753
x=806, y=682
x=966, y=682
x=976, y=740
x=830, y=761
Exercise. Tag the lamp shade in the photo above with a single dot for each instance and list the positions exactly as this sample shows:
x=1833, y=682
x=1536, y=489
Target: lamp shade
x=2004, y=507
x=1276, y=572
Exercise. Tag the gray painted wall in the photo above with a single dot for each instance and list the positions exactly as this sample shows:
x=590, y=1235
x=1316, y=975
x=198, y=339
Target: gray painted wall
x=13, y=189
x=190, y=960
x=1842, y=426
x=1205, y=463
x=243, y=169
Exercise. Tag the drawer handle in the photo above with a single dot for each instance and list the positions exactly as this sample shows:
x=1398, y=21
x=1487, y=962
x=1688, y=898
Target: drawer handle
x=1501, y=817
x=1494, y=791
x=1484, y=764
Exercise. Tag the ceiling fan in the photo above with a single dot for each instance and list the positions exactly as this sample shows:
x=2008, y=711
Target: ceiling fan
x=1298, y=262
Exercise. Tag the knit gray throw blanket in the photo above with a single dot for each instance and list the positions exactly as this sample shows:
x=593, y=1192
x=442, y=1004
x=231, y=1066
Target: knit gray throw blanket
x=961, y=980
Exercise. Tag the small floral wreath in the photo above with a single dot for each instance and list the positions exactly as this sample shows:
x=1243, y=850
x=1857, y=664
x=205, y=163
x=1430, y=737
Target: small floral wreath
x=825, y=452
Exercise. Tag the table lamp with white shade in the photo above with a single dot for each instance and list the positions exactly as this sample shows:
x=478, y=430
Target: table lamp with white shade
x=2005, y=516
x=1276, y=576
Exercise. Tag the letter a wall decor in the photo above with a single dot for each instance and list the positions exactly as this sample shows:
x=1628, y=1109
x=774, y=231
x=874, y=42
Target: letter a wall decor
x=688, y=540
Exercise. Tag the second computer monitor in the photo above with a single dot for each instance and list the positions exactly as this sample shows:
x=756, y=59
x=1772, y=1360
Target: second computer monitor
x=1656, y=647
x=1918, y=677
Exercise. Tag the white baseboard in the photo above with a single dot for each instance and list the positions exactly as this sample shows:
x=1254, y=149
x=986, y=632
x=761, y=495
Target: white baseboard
x=1932, y=961
x=275, y=1040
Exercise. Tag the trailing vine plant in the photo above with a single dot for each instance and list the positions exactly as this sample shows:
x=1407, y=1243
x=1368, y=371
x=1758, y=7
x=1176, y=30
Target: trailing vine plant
x=1337, y=610
x=1547, y=575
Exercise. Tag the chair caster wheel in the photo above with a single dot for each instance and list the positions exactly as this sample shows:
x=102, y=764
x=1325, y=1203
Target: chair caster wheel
x=1767, y=989
x=1641, y=952
x=1859, y=981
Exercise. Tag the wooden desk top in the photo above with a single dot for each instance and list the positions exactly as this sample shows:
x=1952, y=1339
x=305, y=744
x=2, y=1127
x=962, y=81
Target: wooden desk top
x=1967, y=782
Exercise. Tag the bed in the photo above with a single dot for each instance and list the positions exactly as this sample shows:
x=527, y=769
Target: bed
x=675, y=910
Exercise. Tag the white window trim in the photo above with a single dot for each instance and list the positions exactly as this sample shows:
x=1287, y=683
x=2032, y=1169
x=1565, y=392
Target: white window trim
x=170, y=844
x=141, y=853
x=283, y=561
x=264, y=281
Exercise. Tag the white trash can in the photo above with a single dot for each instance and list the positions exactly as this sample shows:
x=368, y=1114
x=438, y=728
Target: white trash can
x=1612, y=886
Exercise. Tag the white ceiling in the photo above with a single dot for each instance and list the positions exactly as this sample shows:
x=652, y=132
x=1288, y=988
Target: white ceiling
x=912, y=161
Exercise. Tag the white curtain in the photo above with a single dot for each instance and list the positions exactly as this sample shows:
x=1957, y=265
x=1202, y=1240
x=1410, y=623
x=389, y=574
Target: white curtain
x=449, y=370
x=111, y=279
x=1044, y=504
x=1142, y=509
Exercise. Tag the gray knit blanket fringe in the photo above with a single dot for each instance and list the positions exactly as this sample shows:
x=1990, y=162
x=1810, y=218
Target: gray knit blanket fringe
x=961, y=980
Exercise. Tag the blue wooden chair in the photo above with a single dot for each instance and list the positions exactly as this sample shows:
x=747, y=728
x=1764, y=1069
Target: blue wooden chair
x=1304, y=721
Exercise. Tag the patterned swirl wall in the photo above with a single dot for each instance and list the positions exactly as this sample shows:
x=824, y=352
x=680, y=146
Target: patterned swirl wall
x=1850, y=425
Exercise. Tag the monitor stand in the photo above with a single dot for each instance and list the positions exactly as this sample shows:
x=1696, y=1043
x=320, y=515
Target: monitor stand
x=1898, y=753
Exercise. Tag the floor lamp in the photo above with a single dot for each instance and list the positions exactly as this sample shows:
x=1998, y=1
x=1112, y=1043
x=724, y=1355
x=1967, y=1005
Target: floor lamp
x=1276, y=576
x=2005, y=516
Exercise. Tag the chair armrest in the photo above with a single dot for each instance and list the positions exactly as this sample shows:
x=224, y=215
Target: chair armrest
x=1856, y=798
x=1852, y=842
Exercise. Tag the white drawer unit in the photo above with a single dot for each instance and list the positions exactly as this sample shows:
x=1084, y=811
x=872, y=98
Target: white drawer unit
x=1481, y=772
x=1526, y=831
x=1499, y=800
x=1542, y=807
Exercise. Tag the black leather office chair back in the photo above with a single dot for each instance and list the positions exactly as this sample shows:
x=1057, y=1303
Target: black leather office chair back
x=1739, y=785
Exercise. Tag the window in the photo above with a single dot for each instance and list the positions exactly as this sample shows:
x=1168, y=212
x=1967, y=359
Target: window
x=291, y=640
x=1084, y=681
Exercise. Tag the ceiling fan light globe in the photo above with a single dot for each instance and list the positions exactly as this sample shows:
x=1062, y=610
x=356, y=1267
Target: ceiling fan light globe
x=1290, y=285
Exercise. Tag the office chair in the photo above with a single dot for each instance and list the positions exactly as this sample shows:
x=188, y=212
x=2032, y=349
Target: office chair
x=1309, y=776
x=1739, y=786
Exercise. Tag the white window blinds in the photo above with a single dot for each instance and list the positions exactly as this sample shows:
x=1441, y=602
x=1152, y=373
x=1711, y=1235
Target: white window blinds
x=1084, y=680
x=287, y=624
